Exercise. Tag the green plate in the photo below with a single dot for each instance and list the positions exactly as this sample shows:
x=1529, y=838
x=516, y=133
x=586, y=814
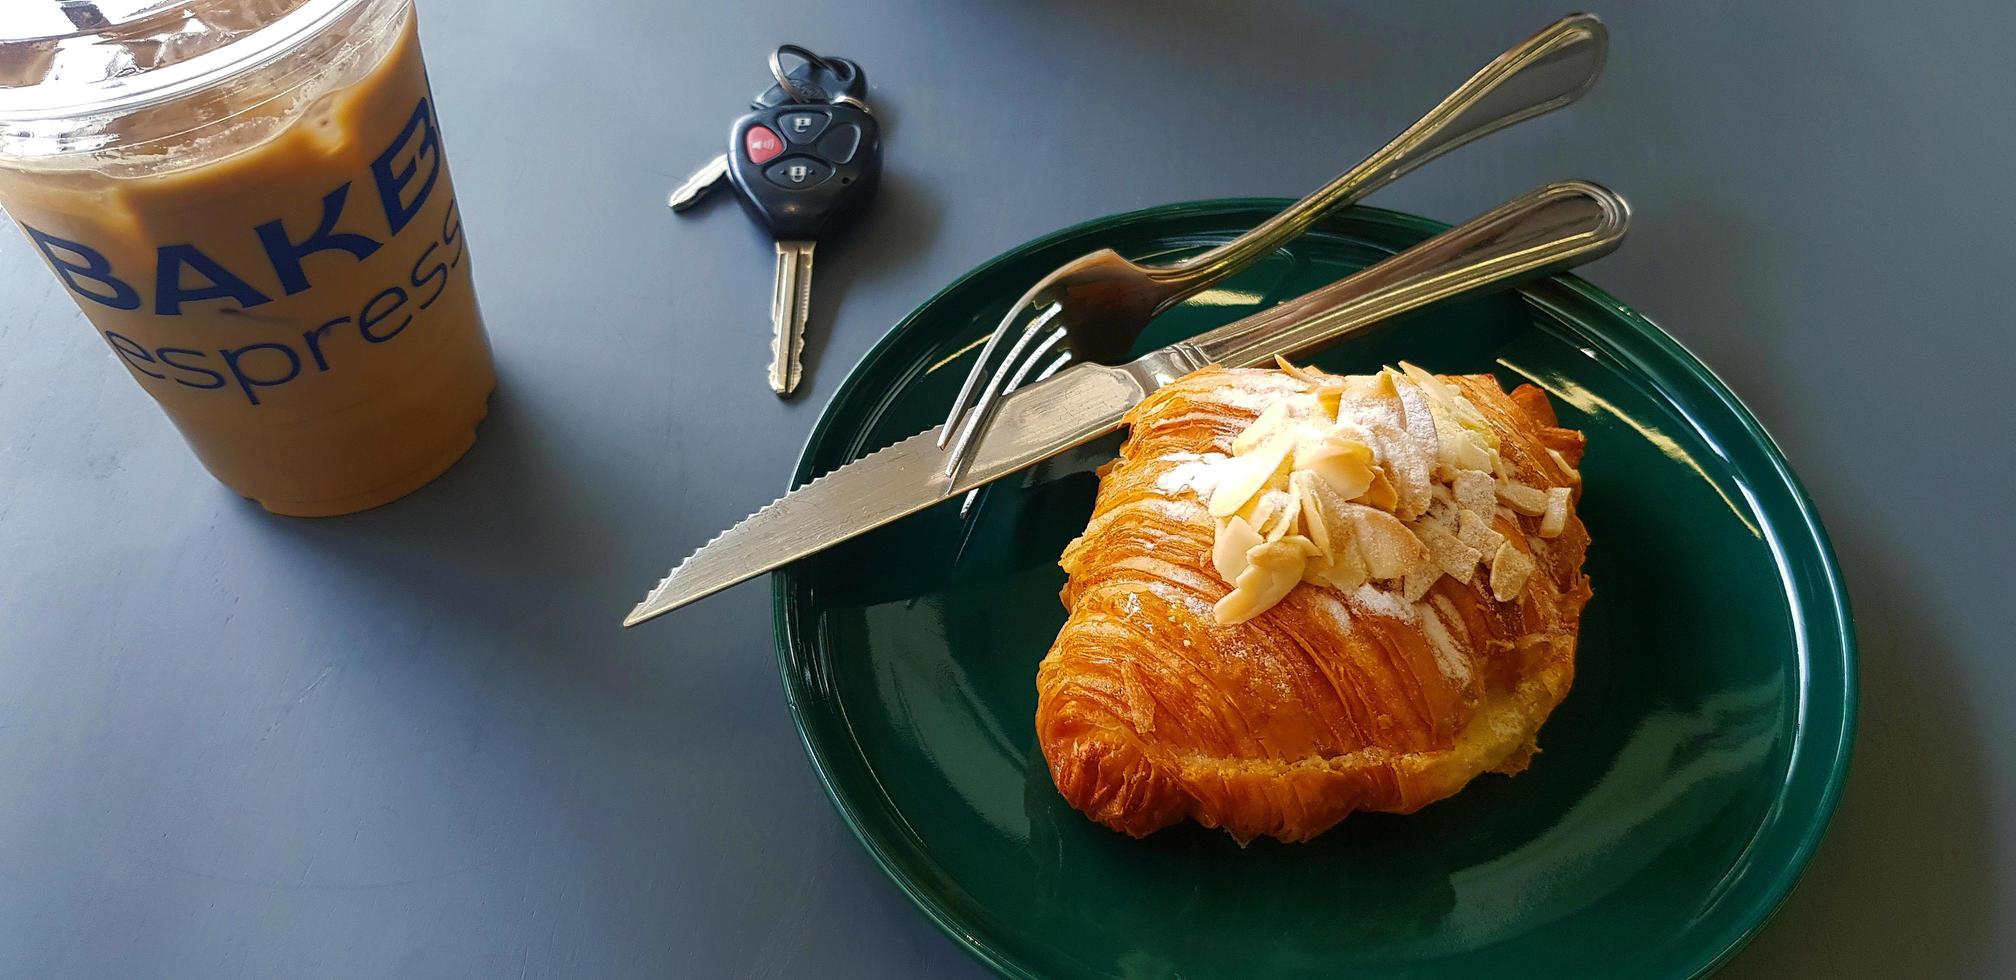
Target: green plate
x=1683, y=783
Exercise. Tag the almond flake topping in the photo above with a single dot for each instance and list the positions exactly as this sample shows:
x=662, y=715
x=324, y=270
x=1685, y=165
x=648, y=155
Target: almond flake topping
x=1390, y=480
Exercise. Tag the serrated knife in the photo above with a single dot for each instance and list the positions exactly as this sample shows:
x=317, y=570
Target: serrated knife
x=1553, y=228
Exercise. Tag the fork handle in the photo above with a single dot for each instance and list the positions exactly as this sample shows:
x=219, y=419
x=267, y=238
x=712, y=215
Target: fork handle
x=1545, y=72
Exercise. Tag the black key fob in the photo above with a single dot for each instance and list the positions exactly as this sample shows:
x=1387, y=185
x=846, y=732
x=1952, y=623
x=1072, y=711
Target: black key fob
x=804, y=168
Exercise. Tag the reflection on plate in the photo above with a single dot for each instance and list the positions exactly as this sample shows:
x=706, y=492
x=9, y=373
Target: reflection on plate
x=1681, y=786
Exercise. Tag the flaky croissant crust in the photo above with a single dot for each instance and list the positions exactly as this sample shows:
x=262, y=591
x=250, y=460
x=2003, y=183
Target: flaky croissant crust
x=1150, y=712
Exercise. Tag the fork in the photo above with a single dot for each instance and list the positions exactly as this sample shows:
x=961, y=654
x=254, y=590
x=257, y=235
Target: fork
x=1094, y=307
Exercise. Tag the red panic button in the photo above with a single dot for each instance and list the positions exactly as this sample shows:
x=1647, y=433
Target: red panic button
x=761, y=145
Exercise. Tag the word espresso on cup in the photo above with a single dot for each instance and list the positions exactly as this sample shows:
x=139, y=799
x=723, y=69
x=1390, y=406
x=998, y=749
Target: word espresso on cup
x=404, y=177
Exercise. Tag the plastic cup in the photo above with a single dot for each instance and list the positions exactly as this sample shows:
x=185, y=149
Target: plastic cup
x=251, y=203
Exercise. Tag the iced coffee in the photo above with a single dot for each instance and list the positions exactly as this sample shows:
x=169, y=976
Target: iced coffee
x=251, y=203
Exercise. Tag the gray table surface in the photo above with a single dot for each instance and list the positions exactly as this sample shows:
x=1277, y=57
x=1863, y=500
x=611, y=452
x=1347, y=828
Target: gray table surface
x=415, y=743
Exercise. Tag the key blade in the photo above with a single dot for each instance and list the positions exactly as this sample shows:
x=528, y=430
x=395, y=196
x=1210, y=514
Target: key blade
x=790, y=307
x=1032, y=425
x=696, y=187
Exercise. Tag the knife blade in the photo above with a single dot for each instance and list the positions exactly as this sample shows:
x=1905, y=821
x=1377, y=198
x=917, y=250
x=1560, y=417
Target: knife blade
x=1544, y=231
x=1070, y=409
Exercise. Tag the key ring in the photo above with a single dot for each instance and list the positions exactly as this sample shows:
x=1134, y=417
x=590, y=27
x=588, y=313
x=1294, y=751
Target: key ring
x=784, y=81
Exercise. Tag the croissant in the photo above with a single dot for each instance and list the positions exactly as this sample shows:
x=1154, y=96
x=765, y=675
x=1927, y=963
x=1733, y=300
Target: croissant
x=1302, y=595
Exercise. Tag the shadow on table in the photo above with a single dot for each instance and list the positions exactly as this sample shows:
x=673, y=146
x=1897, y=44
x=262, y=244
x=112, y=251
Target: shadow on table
x=480, y=623
x=896, y=230
x=516, y=560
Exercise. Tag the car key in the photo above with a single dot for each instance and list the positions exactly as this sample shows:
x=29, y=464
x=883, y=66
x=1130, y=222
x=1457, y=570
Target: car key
x=802, y=168
x=802, y=162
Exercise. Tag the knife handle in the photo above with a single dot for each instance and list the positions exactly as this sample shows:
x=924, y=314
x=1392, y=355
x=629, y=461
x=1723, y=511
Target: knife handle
x=1543, y=231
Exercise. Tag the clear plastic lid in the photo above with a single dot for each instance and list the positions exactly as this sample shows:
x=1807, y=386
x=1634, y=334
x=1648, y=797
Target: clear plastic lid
x=71, y=70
